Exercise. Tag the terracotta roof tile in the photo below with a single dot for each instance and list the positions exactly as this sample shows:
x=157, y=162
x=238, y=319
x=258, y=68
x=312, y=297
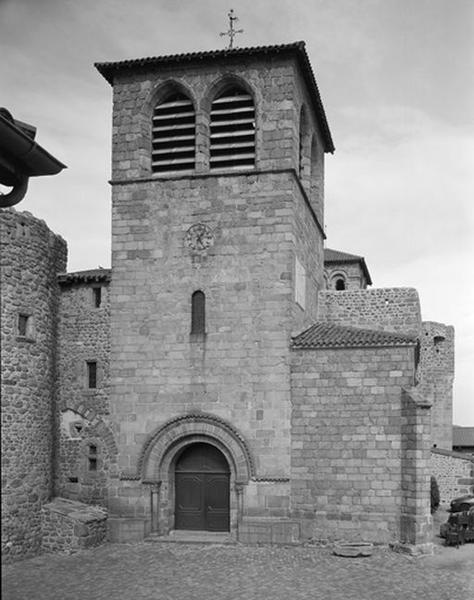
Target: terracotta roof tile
x=324, y=335
x=85, y=276
x=339, y=256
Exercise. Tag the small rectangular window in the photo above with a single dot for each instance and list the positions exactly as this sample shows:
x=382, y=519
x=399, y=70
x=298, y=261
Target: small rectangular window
x=23, y=322
x=97, y=296
x=92, y=374
x=92, y=464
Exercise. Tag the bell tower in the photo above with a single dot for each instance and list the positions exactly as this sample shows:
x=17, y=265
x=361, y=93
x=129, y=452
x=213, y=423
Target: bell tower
x=217, y=253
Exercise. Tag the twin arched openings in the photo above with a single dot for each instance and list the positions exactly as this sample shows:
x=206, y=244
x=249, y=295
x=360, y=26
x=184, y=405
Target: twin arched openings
x=231, y=131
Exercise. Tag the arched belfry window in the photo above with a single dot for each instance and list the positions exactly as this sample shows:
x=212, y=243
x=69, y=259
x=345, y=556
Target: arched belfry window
x=232, y=130
x=173, y=134
x=198, y=312
x=340, y=284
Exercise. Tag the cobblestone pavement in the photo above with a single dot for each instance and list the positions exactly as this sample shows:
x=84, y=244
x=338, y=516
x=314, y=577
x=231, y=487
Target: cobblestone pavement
x=162, y=571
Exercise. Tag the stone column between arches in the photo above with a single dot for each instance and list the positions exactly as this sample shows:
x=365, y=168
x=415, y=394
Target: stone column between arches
x=162, y=450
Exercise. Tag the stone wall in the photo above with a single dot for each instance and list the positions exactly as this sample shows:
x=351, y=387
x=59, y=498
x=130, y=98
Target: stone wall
x=84, y=335
x=81, y=473
x=87, y=459
x=70, y=526
x=349, y=436
x=240, y=369
x=454, y=473
x=436, y=375
x=31, y=257
x=387, y=309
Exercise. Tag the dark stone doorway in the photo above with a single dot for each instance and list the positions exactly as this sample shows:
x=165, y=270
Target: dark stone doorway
x=202, y=489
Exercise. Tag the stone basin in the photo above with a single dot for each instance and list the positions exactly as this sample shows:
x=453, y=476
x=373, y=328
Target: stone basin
x=353, y=549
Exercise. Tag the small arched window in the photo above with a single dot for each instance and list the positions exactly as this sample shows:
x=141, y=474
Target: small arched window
x=340, y=284
x=198, y=312
x=232, y=130
x=173, y=134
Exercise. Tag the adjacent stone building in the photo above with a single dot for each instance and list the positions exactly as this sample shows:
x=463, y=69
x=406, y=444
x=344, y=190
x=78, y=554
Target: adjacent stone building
x=219, y=376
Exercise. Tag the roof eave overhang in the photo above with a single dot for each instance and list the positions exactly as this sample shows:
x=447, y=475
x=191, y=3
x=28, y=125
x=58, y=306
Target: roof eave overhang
x=24, y=154
x=355, y=346
x=73, y=278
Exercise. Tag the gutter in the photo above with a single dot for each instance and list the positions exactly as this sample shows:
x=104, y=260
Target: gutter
x=21, y=158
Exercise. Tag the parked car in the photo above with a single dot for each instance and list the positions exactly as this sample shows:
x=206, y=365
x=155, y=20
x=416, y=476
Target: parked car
x=462, y=503
x=459, y=527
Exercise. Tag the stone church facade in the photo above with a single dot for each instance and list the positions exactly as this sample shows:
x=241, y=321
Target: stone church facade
x=228, y=373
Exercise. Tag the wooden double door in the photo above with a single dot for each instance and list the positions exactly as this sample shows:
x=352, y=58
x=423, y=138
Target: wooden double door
x=202, y=489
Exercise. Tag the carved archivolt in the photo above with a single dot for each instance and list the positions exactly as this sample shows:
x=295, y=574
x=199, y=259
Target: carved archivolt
x=167, y=440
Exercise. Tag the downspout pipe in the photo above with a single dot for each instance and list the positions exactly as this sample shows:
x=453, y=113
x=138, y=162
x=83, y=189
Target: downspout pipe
x=16, y=195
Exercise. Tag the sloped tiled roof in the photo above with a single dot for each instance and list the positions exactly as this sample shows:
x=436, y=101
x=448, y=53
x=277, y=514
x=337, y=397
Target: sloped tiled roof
x=336, y=256
x=109, y=69
x=463, y=436
x=85, y=276
x=324, y=335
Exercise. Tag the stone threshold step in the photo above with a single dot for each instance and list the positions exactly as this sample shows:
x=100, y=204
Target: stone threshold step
x=192, y=537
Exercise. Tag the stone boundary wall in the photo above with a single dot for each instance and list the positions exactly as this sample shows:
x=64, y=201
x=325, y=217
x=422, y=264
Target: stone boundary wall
x=454, y=473
x=387, y=309
x=69, y=526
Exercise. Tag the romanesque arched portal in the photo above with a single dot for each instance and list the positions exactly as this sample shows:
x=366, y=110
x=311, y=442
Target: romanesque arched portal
x=159, y=465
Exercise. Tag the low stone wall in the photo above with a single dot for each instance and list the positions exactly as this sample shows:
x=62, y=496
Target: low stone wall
x=454, y=473
x=69, y=526
x=386, y=309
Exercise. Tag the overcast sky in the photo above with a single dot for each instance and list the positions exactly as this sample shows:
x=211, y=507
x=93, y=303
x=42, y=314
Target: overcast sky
x=396, y=79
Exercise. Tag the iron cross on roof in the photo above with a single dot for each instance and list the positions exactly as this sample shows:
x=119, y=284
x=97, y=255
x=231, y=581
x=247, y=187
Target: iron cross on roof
x=232, y=32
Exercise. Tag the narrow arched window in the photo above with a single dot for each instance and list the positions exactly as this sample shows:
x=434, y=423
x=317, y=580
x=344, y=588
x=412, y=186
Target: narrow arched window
x=173, y=134
x=340, y=284
x=232, y=130
x=198, y=312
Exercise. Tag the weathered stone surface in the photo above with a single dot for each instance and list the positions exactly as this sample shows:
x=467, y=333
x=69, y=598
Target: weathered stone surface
x=69, y=526
x=31, y=257
x=454, y=474
x=351, y=438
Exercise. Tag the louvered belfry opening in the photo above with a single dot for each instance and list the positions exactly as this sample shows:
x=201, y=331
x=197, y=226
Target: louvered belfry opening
x=232, y=130
x=173, y=134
